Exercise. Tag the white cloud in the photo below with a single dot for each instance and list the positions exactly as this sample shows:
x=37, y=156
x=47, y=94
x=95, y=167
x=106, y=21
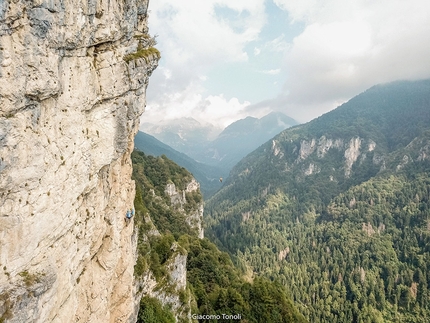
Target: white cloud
x=191, y=32
x=221, y=111
x=276, y=45
x=195, y=36
x=279, y=44
x=166, y=72
x=348, y=46
x=214, y=109
x=344, y=47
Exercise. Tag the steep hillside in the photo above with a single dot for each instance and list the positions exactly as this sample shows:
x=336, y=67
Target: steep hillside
x=337, y=209
x=207, y=176
x=180, y=274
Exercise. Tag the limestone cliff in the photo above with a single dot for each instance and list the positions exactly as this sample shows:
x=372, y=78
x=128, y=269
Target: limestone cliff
x=194, y=217
x=311, y=154
x=73, y=77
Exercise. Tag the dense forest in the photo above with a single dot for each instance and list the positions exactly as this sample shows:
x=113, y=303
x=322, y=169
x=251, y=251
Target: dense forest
x=337, y=209
x=214, y=285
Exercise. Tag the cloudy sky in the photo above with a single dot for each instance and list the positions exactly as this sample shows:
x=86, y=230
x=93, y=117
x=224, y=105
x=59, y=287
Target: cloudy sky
x=224, y=60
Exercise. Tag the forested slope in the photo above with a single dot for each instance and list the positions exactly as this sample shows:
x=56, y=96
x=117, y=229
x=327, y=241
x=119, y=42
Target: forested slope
x=338, y=209
x=214, y=286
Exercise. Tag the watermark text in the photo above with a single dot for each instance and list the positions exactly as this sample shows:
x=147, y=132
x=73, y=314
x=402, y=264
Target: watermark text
x=216, y=317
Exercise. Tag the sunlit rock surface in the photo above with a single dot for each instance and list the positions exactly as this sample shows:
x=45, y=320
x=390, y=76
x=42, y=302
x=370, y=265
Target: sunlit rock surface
x=69, y=110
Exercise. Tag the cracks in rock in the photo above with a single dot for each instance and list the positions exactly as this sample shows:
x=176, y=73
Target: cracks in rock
x=108, y=221
x=31, y=104
x=103, y=176
x=102, y=101
x=62, y=305
x=104, y=46
x=8, y=25
x=80, y=274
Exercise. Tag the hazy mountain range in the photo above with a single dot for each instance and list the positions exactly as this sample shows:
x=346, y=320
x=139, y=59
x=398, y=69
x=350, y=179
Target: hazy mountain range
x=208, y=145
x=182, y=134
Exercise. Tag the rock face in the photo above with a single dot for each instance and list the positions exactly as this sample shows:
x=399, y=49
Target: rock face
x=351, y=154
x=69, y=110
x=195, y=218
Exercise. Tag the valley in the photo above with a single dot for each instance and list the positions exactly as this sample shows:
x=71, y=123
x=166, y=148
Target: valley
x=188, y=276
x=337, y=210
x=218, y=148
x=208, y=153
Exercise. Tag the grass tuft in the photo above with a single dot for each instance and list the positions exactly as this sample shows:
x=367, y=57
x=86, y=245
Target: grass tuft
x=146, y=54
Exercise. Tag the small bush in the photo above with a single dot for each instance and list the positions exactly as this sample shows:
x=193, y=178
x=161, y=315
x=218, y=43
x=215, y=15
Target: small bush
x=7, y=306
x=29, y=279
x=140, y=266
x=143, y=53
x=152, y=311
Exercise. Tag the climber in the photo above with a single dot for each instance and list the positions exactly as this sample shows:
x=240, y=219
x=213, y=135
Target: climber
x=220, y=179
x=128, y=216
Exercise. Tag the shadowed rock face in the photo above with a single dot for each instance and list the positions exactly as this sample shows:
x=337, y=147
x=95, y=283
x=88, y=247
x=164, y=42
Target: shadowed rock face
x=69, y=110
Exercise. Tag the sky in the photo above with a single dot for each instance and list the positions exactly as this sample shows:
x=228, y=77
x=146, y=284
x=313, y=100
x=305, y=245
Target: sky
x=224, y=60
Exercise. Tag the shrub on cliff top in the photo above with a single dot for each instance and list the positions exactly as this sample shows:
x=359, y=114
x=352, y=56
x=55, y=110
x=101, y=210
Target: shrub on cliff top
x=143, y=53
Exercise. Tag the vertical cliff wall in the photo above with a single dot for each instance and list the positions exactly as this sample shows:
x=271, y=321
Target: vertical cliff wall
x=73, y=76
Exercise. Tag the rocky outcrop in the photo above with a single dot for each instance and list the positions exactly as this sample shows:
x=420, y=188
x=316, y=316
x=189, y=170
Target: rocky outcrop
x=371, y=145
x=176, y=197
x=169, y=290
x=324, y=145
x=306, y=148
x=69, y=110
x=424, y=153
x=276, y=150
x=351, y=154
x=405, y=160
x=283, y=253
x=195, y=218
x=192, y=186
x=312, y=168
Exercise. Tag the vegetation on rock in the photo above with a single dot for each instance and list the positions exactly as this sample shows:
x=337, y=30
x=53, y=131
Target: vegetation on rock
x=152, y=311
x=145, y=53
